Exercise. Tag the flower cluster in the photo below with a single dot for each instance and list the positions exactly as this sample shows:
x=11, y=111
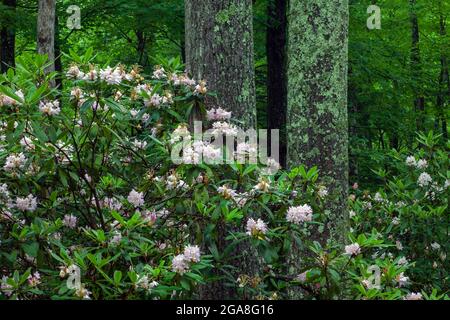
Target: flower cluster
x=8, y=101
x=353, y=249
x=181, y=262
x=299, y=214
x=50, y=108
x=256, y=228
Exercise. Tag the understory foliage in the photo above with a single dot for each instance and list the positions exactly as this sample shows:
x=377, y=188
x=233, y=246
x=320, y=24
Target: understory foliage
x=87, y=182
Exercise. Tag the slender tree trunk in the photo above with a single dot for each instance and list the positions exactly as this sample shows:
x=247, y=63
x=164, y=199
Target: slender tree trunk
x=276, y=71
x=416, y=68
x=8, y=39
x=58, y=62
x=142, y=42
x=317, y=96
x=354, y=131
x=183, y=47
x=444, y=81
x=46, y=31
x=219, y=49
x=394, y=137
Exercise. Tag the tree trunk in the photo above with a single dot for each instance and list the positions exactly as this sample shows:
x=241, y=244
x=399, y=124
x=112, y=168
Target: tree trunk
x=219, y=49
x=58, y=62
x=276, y=71
x=317, y=97
x=8, y=39
x=416, y=68
x=141, y=44
x=46, y=32
x=444, y=81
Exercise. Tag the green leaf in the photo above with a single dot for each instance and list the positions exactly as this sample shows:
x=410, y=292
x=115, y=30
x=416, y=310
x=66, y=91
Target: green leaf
x=185, y=284
x=31, y=249
x=117, y=277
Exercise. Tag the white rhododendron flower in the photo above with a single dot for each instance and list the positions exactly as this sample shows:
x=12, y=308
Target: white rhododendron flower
x=262, y=186
x=414, y=296
x=159, y=73
x=322, y=192
x=402, y=279
x=50, y=108
x=299, y=214
x=353, y=249
x=136, y=198
x=218, y=114
x=70, y=221
x=410, y=161
x=192, y=253
x=422, y=164
x=223, y=128
x=34, y=279
x=29, y=203
x=115, y=240
x=75, y=73
x=179, y=264
x=180, y=133
x=424, y=179
x=27, y=143
x=226, y=192
x=15, y=161
x=200, y=88
x=139, y=145
x=256, y=228
x=435, y=246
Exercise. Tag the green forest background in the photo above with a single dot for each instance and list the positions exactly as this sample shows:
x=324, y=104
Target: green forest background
x=398, y=75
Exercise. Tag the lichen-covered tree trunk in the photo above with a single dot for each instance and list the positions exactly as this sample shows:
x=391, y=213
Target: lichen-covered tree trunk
x=317, y=96
x=219, y=49
x=317, y=126
x=46, y=31
x=7, y=39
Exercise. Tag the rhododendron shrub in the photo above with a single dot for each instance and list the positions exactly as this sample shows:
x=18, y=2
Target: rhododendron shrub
x=92, y=205
x=411, y=214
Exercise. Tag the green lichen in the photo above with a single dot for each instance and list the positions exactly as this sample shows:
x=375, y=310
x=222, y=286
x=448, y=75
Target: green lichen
x=317, y=98
x=233, y=11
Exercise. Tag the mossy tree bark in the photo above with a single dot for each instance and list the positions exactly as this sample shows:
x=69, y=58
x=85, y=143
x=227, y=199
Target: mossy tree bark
x=317, y=123
x=46, y=32
x=219, y=49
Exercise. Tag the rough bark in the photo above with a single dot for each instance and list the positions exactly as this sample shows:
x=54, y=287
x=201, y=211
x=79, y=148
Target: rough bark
x=46, y=31
x=276, y=71
x=416, y=69
x=219, y=49
x=8, y=39
x=317, y=123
